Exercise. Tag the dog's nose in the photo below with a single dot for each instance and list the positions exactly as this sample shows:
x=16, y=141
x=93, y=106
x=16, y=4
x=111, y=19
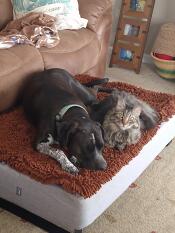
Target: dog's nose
x=102, y=165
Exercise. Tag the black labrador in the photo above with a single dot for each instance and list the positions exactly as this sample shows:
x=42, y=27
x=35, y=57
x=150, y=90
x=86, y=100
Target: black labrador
x=57, y=104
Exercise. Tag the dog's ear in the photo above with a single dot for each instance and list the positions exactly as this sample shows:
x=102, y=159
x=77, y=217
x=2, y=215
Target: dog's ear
x=65, y=130
x=98, y=125
x=99, y=110
x=99, y=135
x=72, y=128
x=61, y=128
x=102, y=131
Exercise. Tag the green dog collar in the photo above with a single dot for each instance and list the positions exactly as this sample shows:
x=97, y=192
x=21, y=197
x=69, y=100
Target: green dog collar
x=66, y=108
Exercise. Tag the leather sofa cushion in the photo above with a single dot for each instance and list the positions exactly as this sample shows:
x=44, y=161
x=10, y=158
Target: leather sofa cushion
x=93, y=11
x=9, y=62
x=15, y=57
x=6, y=12
x=16, y=64
x=77, y=51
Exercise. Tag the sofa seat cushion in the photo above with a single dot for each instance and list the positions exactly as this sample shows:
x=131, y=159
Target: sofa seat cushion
x=77, y=51
x=16, y=63
x=9, y=62
x=16, y=57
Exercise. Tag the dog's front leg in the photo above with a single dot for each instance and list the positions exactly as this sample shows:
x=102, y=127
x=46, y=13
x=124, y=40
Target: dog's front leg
x=45, y=148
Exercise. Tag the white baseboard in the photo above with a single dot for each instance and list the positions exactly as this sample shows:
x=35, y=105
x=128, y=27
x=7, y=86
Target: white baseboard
x=146, y=57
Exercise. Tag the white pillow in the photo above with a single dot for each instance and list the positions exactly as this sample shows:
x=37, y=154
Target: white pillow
x=66, y=11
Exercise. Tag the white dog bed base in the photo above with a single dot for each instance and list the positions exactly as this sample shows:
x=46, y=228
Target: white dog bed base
x=72, y=212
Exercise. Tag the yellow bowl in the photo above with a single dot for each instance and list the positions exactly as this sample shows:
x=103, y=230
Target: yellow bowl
x=165, y=68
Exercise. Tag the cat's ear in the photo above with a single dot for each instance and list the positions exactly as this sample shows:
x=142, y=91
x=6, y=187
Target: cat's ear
x=120, y=103
x=137, y=111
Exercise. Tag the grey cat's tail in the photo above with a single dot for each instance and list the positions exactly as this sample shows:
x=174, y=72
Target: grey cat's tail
x=149, y=116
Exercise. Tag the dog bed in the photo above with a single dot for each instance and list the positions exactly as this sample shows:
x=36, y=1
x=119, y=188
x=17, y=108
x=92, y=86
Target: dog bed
x=75, y=201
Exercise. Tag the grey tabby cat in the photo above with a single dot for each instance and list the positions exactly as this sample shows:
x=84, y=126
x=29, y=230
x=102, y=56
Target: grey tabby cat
x=124, y=122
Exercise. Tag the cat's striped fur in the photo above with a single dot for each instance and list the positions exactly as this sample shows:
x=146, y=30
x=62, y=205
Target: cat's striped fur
x=124, y=122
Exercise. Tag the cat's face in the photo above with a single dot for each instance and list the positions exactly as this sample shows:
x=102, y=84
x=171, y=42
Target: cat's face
x=127, y=118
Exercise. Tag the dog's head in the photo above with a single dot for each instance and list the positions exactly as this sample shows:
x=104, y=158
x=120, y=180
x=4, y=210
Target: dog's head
x=84, y=140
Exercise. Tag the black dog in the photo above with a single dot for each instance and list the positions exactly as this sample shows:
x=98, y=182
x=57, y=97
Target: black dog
x=57, y=104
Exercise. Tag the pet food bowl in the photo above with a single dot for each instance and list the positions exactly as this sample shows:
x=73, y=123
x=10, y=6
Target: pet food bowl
x=165, y=68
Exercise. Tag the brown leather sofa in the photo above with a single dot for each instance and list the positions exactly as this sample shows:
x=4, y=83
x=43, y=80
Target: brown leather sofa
x=81, y=51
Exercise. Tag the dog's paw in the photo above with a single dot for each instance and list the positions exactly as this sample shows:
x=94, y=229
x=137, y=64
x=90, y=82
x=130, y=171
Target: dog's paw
x=72, y=169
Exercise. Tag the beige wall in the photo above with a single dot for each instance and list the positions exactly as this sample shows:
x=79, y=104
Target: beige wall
x=164, y=11
x=171, y=10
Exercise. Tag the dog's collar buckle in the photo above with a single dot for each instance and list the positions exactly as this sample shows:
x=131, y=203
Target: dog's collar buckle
x=61, y=113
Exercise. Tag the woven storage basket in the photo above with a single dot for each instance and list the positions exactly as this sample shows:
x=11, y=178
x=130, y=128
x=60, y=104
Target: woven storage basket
x=165, y=68
x=165, y=44
x=165, y=41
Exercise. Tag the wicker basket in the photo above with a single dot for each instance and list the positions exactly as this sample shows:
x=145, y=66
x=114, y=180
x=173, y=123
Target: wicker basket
x=165, y=41
x=165, y=68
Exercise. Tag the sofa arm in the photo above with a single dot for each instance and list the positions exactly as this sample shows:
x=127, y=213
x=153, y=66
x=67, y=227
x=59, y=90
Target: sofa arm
x=6, y=12
x=93, y=11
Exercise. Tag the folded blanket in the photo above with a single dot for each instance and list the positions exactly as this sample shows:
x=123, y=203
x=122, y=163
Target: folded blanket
x=35, y=29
